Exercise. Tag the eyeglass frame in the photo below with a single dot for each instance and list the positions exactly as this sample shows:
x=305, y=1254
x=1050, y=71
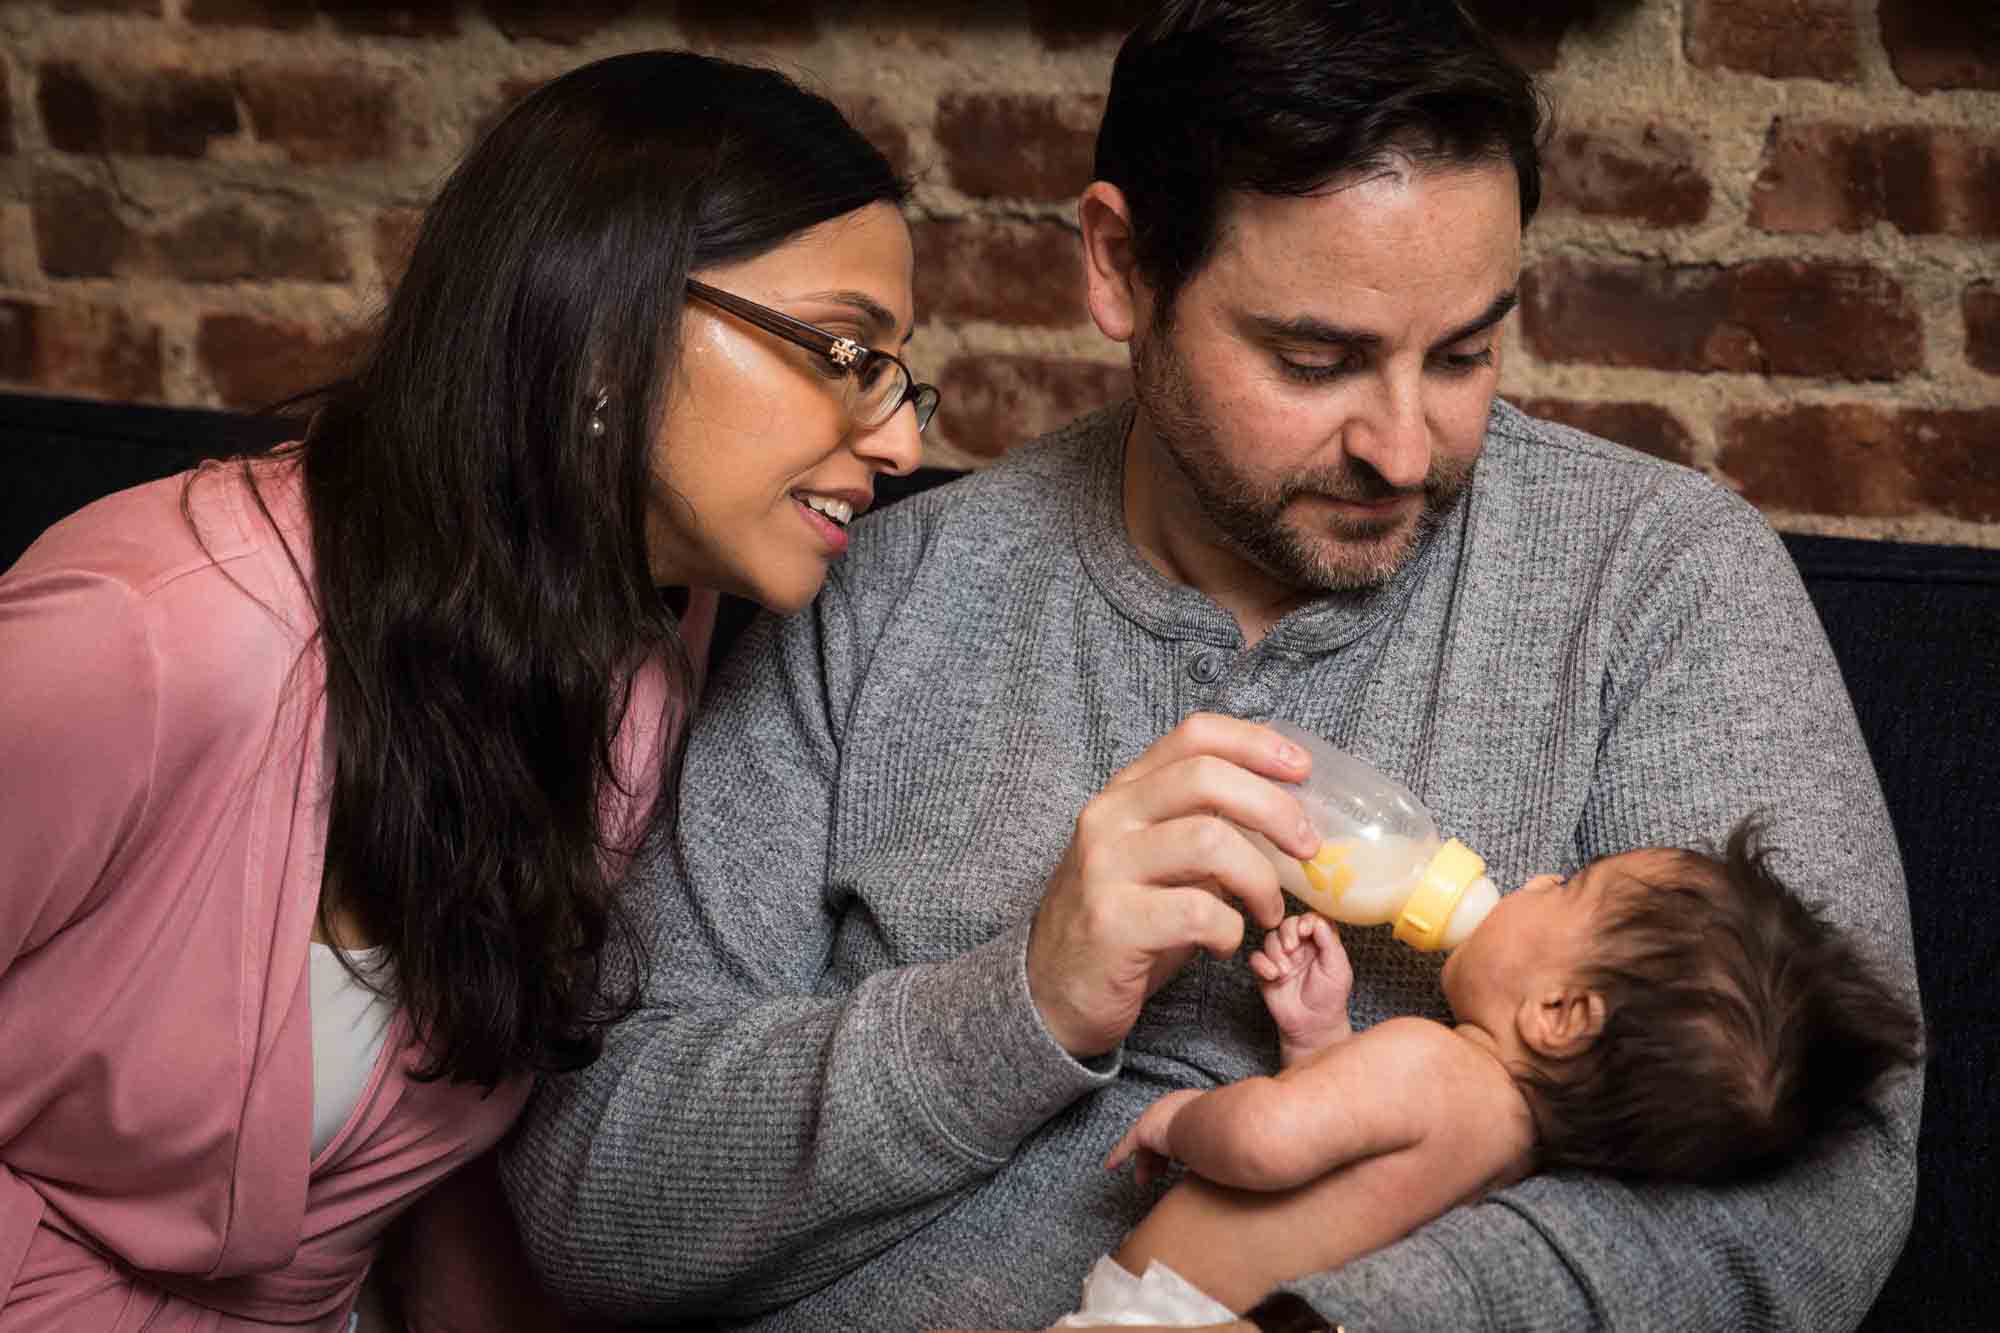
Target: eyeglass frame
x=851, y=356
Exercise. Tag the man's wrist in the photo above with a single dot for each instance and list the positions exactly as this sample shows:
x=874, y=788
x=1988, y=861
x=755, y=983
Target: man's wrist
x=1289, y=1312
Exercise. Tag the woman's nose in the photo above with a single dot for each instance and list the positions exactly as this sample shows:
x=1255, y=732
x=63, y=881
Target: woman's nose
x=895, y=445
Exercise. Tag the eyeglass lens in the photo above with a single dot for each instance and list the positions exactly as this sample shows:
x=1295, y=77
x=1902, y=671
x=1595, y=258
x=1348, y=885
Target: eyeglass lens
x=879, y=390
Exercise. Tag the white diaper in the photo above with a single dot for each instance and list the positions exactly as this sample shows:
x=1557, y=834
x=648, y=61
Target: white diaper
x=1112, y=1296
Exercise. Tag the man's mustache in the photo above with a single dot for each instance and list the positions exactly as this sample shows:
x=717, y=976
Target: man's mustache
x=1357, y=484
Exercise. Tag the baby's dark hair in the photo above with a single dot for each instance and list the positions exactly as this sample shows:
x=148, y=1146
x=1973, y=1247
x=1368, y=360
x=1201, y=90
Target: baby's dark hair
x=1739, y=1025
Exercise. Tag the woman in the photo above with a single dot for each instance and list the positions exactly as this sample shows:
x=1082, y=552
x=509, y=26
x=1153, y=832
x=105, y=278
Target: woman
x=317, y=770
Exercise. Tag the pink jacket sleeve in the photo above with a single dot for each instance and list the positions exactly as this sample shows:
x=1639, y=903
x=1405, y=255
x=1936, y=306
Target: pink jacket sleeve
x=78, y=710
x=78, y=700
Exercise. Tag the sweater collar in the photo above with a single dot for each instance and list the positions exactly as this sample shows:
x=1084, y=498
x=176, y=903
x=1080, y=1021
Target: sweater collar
x=1178, y=611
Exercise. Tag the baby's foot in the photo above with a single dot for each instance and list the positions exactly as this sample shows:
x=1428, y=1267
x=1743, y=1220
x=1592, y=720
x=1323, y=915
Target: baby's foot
x=1306, y=980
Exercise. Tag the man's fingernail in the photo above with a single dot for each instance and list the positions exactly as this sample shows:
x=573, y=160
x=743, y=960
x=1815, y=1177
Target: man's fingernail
x=1291, y=754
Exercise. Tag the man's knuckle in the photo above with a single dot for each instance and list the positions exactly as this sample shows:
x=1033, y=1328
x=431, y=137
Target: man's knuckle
x=1204, y=839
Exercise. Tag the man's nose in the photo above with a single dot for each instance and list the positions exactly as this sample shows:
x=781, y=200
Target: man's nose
x=1392, y=436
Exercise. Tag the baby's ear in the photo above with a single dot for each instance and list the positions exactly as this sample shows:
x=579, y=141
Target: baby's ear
x=1561, y=1022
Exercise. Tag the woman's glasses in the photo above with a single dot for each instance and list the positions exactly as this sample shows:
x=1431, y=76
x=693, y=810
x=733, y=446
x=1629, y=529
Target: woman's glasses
x=878, y=383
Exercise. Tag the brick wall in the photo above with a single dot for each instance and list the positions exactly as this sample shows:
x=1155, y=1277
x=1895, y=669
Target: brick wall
x=1771, y=247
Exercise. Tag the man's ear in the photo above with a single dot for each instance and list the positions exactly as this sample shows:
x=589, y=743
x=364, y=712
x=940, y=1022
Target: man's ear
x=1562, y=1022
x=1111, y=284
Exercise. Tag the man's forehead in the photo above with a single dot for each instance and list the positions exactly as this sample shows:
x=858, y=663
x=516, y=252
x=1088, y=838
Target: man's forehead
x=1419, y=251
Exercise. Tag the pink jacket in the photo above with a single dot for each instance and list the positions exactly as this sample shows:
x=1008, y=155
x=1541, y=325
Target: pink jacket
x=162, y=765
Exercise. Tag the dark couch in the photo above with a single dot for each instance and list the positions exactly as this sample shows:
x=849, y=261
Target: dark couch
x=1917, y=632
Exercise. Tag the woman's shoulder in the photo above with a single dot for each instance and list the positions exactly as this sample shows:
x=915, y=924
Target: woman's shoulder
x=148, y=536
x=203, y=567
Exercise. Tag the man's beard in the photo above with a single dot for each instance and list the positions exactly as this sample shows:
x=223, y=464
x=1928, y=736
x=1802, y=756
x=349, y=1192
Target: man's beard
x=1337, y=554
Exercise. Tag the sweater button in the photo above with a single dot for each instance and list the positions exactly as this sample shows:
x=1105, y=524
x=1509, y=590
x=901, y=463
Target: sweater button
x=1206, y=668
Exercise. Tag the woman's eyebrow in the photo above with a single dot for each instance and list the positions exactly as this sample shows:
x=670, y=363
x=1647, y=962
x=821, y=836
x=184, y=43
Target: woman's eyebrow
x=873, y=312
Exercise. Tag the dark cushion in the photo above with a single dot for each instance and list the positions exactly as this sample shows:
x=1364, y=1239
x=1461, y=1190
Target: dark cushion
x=1917, y=632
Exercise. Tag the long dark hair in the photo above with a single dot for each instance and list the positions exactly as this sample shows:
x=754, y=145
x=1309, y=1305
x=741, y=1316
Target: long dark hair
x=480, y=556
x=1279, y=97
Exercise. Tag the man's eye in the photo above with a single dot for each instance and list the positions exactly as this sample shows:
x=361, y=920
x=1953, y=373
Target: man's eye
x=1464, y=363
x=1312, y=372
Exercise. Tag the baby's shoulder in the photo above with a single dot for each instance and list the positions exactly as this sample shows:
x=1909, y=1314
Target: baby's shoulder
x=1435, y=1054
x=1415, y=1043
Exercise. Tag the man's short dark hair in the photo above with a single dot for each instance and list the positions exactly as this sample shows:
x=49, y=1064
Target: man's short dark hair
x=1739, y=1026
x=1280, y=97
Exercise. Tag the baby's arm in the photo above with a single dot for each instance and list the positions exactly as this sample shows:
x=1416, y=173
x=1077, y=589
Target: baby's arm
x=1305, y=978
x=1463, y=1129
x=1352, y=1100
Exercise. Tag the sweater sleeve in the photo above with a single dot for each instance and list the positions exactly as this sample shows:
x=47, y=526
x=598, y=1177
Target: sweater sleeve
x=78, y=708
x=1721, y=697
x=759, y=1128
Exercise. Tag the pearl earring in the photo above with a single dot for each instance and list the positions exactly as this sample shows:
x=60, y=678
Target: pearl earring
x=596, y=423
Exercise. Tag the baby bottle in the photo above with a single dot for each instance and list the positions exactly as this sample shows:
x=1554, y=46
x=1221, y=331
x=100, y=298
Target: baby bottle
x=1380, y=858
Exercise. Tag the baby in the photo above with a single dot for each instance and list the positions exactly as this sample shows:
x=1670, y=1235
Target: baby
x=1601, y=1001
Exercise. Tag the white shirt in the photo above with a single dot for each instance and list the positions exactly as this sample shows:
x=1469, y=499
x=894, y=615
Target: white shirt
x=349, y=1025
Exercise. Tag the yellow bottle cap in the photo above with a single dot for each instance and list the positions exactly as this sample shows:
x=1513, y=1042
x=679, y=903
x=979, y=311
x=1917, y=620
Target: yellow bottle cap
x=1446, y=878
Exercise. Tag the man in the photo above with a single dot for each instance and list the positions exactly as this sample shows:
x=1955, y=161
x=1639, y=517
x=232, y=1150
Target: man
x=965, y=883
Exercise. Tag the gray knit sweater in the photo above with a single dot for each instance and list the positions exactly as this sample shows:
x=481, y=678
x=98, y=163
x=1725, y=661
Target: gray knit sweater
x=838, y=1108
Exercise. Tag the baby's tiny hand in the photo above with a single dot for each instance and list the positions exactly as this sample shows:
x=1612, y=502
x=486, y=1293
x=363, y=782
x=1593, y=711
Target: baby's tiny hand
x=1306, y=981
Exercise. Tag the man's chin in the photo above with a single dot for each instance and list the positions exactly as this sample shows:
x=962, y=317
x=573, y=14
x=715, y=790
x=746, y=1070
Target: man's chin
x=1353, y=555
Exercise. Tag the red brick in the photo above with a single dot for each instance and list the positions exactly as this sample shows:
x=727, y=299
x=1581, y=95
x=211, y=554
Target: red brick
x=94, y=351
x=80, y=235
x=253, y=13
x=1934, y=44
x=1780, y=39
x=236, y=242
x=1922, y=179
x=143, y=112
x=1064, y=25
x=1007, y=272
x=426, y=18
x=768, y=22
x=258, y=363
x=1019, y=145
x=1768, y=317
x=568, y=24
x=423, y=18
x=1645, y=172
x=992, y=403
x=395, y=236
x=1866, y=461
x=1982, y=326
x=1643, y=426
x=1532, y=34
x=879, y=126
x=77, y=232
x=327, y=116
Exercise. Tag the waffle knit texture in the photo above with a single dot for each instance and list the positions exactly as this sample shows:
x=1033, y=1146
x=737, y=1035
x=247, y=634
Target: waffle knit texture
x=839, y=1108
